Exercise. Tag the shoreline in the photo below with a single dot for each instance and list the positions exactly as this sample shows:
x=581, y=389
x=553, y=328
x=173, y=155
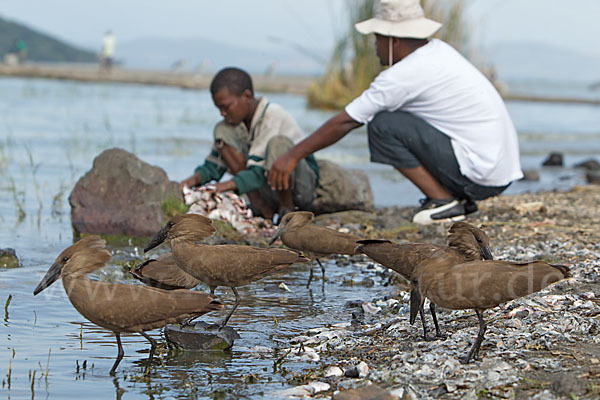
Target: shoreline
x=544, y=344
x=292, y=84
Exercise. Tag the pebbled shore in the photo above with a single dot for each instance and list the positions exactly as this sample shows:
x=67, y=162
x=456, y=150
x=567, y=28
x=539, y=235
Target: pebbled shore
x=543, y=346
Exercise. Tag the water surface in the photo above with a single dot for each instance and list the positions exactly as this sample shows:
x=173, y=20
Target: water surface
x=49, y=135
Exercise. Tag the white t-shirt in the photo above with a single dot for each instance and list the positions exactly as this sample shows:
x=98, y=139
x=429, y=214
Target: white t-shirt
x=440, y=86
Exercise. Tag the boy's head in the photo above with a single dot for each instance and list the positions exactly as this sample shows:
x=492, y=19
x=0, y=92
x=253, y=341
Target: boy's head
x=233, y=95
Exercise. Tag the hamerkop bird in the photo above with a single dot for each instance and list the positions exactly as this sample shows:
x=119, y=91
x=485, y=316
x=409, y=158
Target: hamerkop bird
x=297, y=232
x=219, y=265
x=465, y=243
x=119, y=307
x=480, y=285
x=164, y=273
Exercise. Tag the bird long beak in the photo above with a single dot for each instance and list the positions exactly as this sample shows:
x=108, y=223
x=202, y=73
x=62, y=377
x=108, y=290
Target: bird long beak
x=51, y=276
x=158, y=238
x=415, y=304
x=275, y=236
x=486, y=253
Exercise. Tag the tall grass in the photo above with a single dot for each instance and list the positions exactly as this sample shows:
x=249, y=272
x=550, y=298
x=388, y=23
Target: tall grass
x=19, y=199
x=353, y=63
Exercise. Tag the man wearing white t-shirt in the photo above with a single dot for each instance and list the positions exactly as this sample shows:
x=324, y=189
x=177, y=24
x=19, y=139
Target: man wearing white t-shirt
x=431, y=115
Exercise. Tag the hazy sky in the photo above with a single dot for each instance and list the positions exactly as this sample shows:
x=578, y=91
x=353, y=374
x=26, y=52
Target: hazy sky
x=310, y=23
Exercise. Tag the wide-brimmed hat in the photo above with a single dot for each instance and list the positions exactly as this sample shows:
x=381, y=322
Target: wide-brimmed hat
x=399, y=18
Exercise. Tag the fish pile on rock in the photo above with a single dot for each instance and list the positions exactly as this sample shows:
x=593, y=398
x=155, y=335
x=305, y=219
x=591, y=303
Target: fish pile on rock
x=226, y=206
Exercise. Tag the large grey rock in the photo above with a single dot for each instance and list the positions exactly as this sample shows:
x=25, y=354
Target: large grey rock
x=342, y=189
x=121, y=195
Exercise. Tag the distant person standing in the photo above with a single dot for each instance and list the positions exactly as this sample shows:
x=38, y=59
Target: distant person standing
x=108, y=50
x=21, y=50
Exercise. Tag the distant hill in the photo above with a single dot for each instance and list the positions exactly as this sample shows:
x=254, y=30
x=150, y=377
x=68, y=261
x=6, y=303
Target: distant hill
x=199, y=54
x=40, y=47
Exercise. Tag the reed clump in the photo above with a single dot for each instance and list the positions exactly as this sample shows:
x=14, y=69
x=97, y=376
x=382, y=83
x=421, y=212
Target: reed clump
x=172, y=206
x=353, y=63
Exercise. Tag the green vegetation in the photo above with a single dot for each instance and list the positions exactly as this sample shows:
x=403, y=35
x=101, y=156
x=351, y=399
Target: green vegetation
x=353, y=63
x=38, y=46
x=172, y=206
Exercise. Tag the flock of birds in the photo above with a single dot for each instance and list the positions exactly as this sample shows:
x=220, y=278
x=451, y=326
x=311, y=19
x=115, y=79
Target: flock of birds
x=461, y=275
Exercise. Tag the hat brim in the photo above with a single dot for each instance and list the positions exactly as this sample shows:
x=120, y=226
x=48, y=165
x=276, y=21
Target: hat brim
x=419, y=28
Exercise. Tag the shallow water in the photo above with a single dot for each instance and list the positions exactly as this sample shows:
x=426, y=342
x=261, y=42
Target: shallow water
x=49, y=135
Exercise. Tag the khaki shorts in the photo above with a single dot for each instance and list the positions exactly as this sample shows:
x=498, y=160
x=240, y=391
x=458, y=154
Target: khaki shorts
x=304, y=179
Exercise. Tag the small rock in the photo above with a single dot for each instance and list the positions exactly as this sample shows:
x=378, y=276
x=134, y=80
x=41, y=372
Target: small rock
x=590, y=165
x=260, y=350
x=531, y=175
x=273, y=287
x=568, y=385
x=299, y=339
x=316, y=387
x=544, y=395
x=367, y=282
x=8, y=258
x=369, y=392
x=359, y=371
x=333, y=371
x=304, y=353
x=450, y=387
x=514, y=322
x=298, y=391
x=369, y=308
x=201, y=336
x=534, y=206
x=593, y=177
x=553, y=160
x=353, y=304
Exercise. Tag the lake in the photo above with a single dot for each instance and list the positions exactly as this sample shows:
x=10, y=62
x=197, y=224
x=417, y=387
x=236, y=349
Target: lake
x=50, y=133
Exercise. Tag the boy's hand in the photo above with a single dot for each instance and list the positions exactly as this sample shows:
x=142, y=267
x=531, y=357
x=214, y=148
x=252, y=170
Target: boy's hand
x=192, y=181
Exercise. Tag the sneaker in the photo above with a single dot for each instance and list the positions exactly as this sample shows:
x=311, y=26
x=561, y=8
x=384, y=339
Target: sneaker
x=470, y=206
x=278, y=216
x=439, y=210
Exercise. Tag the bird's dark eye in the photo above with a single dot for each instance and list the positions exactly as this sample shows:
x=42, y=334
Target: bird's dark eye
x=478, y=240
x=65, y=259
x=415, y=281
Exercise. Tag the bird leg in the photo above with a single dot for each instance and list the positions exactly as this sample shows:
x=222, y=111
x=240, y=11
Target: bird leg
x=237, y=303
x=120, y=354
x=322, y=270
x=422, y=315
x=152, y=350
x=416, y=306
x=474, y=352
x=438, y=332
x=310, y=277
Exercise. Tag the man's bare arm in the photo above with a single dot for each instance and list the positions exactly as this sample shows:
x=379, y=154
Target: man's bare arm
x=330, y=132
